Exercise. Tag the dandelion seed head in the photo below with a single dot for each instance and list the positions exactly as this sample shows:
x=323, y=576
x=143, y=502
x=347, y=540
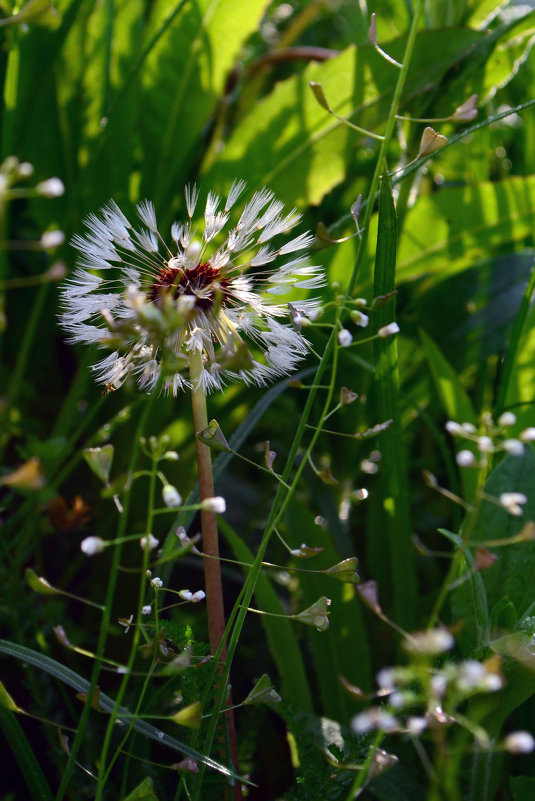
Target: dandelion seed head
x=209, y=290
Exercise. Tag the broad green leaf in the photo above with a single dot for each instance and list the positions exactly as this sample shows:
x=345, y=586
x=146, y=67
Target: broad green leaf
x=343, y=649
x=513, y=575
x=279, y=631
x=522, y=787
x=455, y=402
x=469, y=602
x=107, y=704
x=448, y=231
x=183, y=78
x=290, y=143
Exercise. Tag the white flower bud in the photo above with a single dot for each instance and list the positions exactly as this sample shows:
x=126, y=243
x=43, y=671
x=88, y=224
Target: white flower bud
x=519, y=742
x=388, y=330
x=171, y=496
x=157, y=583
x=216, y=504
x=528, y=435
x=92, y=545
x=198, y=596
x=345, y=338
x=52, y=187
x=52, y=239
x=453, y=428
x=507, y=419
x=359, y=318
x=485, y=444
x=25, y=169
x=146, y=610
x=465, y=458
x=416, y=725
x=512, y=502
x=149, y=541
x=513, y=446
x=186, y=595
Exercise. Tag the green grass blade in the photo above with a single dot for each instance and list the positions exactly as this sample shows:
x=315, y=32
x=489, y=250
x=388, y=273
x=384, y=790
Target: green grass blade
x=395, y=484
x=81, y=685
x=29, y=766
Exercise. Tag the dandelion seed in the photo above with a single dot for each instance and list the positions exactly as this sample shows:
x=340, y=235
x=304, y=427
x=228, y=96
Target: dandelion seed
x=153, y=305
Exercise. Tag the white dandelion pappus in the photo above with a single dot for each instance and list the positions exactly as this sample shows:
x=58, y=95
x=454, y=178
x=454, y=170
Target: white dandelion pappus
x=217, y=292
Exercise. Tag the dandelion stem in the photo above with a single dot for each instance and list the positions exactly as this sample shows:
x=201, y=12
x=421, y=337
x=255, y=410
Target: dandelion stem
x=210, y=544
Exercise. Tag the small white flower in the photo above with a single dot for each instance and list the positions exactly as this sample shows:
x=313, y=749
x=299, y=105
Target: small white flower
x=430, y=643
x=171, y=496
x=345, y=338
x=528, y=435
x=216, y=504
x=485, y=444
x=453, y=428
x=146, y=610
x=469, y=428
x=126, y=622
x=439, y=684
x=211, y=293
x=25, y=169
x=53, y=187
x=386, y=679
x=416, y=725
x=512, y=501
x=388, y=330
x=150, y=542
x=157, y=583
x=374, y=718
x=470, y=675
x=519, y=742
x=513, y=446
x=465, y=458
x=52, y=239
x=92, y=545
x=507, y=419
x=359, y=318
